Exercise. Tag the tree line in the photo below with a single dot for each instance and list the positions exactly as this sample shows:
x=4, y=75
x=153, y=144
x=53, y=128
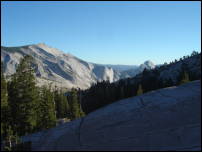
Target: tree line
x=27, y=108
x=104, y=93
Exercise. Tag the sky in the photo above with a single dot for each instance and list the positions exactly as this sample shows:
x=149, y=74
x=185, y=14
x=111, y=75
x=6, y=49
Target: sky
x=105, y=32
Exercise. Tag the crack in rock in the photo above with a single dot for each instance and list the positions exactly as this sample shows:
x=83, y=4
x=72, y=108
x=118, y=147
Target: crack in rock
x=142, y=102
x=167, y=96
x=79, y=131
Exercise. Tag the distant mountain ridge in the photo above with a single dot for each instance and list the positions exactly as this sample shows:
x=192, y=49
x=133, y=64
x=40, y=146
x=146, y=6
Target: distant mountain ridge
x=121, y=68
x=175, y=73
x=64, y=69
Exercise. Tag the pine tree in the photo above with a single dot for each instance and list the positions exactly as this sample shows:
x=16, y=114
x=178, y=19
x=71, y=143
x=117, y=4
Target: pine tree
x=139, y=91
x=9, y=139
x=122, y=92
x=74, y=105
x=185, y=77
x=5, y=110
x=6, y=130
x=13, y=102
x=167, y=82
x=23, y=97
x=62, y=106
x=46, y=117
x=81, y=112
x=65, y=108
x=194, y=53
x=58, y=105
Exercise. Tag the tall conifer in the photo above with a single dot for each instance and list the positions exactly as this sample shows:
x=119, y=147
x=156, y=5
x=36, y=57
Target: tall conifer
x=23, y=97
x=4, y=105
x=139, y=91
x=74, y=105
x=46, y=117
x=185, y=77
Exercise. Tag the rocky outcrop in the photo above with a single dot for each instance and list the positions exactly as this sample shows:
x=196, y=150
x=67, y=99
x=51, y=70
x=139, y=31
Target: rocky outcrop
x=165, y=119
x=54, y=66
x=63, y=69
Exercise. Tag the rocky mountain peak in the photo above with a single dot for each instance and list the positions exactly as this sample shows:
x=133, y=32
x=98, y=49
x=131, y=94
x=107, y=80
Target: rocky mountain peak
x=65, y=69
x=148, y=62
x=49, y=49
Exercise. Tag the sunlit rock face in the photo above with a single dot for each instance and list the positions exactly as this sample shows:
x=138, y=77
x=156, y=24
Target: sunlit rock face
x=63, y=69
x=165, y=119
x=56, y=67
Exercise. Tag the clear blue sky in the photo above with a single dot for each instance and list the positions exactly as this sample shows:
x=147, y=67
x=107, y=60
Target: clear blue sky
x=106, y=32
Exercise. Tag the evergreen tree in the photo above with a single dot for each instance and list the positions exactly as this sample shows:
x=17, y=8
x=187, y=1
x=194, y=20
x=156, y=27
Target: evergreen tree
x=46, y=117
x=194, y=53
x=65, y=110
x=13, y=102
x=122, y=92
x=100, y=94
x=185, y=77
x=9, y=139
x=58, y=105
x=81, y=112
x=139, y=91
x=23, y=97
x=168, y=82
x=74, y=105
x=61, y=104
x=5, y=110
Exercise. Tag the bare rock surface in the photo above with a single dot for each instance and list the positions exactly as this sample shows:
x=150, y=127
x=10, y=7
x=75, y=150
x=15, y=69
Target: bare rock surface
x=165, y=119
x=63, y=69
